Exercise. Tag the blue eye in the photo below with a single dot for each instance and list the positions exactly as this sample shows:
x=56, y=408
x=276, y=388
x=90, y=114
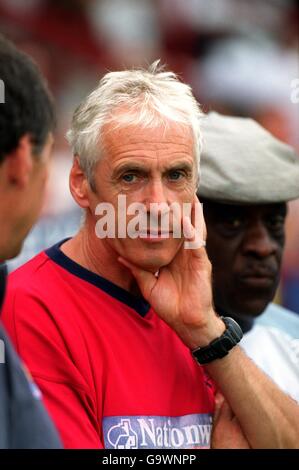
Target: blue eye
x=129, y=178
x=175, y=175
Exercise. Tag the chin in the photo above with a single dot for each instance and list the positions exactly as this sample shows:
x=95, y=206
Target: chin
x=153, y=263
x=150, y=257
x=254, y=308
x=14, y=251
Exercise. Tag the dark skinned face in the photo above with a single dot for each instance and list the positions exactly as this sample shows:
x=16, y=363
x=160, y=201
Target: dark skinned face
x=245, y=246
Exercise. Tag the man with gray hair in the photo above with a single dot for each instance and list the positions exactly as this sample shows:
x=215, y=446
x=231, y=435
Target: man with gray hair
x=247, y=177
x=107, y=324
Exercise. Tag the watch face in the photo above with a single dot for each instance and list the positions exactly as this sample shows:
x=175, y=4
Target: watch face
x=233, y=328
x=220, y=346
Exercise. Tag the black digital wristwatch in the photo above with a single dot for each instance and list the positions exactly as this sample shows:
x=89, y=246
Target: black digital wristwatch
x=220, y=347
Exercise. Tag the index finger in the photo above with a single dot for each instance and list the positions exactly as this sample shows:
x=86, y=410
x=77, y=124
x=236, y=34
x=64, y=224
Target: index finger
x=198, y=220
x=197, y=226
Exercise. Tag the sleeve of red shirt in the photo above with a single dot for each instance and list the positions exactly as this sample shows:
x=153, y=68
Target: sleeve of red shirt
x=41, y=346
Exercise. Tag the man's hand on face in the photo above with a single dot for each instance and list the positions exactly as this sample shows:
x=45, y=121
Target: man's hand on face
x=182, y=294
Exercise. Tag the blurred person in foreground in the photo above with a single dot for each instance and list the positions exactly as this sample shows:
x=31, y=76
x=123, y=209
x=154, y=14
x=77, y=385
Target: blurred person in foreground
x=26, y=125
x=121, y=322
x=247, y=178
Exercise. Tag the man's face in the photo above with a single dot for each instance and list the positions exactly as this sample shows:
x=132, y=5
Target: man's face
x=245, y=245
x=29, y=200
x=147, y=166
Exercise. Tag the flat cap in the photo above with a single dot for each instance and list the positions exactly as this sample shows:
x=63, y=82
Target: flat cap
x=242, y=163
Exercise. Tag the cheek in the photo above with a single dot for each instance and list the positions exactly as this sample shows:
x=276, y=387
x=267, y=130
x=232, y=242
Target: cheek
x=39, y=187
x=237, y=263
x=103, y=194
x=279, y=253
x=106, y=192
x=183, y=193
x=223, y=254
x=45, y=176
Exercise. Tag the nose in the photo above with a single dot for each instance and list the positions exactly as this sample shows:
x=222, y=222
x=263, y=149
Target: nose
x=156, y=202
x=155, y=192
x=258, y=242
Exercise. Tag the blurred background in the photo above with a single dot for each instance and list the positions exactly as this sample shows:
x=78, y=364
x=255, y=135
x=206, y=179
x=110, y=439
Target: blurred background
x=241, y=57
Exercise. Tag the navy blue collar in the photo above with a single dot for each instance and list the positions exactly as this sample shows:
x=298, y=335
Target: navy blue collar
x=137, y=303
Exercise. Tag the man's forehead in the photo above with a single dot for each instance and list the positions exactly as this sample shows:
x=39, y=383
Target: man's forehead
x=131, y=134
x=137, y=146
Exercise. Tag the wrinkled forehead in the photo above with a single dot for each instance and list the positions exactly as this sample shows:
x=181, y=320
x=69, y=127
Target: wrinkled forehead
x=115, y=136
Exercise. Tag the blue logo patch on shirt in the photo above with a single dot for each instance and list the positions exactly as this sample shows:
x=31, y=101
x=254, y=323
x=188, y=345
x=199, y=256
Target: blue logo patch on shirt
x=149, y=432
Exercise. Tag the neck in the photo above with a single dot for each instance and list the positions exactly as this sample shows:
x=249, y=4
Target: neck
x=10, y=238
x=5, y=241
x=98, y=256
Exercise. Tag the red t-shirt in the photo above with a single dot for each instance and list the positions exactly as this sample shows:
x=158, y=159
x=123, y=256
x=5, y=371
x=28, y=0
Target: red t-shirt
x=112, y=373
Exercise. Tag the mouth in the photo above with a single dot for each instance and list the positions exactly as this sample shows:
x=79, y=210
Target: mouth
x=259, y=279
x=155, y=235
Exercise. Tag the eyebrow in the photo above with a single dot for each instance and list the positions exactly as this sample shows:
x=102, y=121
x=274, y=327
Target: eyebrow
x=129, y=166
x=134, y=166
x=180, y=166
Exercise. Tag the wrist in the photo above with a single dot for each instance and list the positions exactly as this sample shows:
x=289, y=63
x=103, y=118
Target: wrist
x=199, y=337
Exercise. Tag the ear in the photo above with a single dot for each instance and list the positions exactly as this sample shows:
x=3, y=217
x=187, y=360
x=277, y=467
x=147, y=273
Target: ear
x=79, y=185
x=19, y=163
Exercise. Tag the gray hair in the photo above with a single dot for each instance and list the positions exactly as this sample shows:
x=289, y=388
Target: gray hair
x=154, y=97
